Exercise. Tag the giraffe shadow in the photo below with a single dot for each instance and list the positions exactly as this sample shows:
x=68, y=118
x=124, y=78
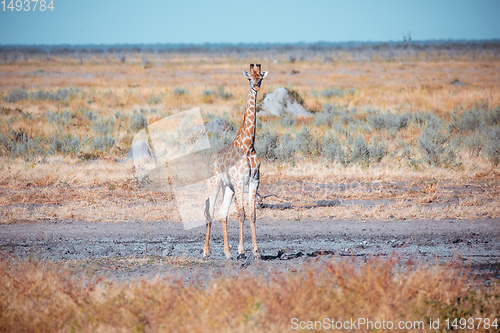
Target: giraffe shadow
x=283, y=255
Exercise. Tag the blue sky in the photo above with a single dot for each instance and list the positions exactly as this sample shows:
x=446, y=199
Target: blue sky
x=189, y=21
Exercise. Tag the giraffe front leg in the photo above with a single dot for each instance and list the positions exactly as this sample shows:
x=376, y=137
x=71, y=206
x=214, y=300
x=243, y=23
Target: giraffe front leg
x=206, y=247
x=238, y=201
x=226, y=242
x=224, y=211
x=252, y=192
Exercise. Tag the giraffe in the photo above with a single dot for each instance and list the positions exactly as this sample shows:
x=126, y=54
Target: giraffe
x=234, y=167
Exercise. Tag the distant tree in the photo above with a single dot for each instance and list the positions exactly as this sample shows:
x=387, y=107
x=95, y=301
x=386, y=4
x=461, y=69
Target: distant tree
x=407, y=40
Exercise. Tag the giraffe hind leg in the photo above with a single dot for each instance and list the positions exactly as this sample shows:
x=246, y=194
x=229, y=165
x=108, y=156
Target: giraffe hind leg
x=238, y=201
x=214, y=187
x=224, y=211
x=252, y=192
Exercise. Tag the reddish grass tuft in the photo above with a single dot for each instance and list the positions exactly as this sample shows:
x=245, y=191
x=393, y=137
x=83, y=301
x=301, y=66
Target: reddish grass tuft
x=40, y=297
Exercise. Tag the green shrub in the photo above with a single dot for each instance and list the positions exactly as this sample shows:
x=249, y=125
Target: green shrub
x=180, y=91
x=266, y=143
x=90, y=115
x=333, y=92
x=58, y=118
x=435, y=145
x=475, y=119
x=66, y=144
x=377, y=151
x=63, y=94
x=305, y=142
x=287, y=121
x=207, y=93
x=102, y=142
x=378, y=121
x=295, y=96
x=16, y=95
x=138, y=121
x=21, y=144
x=224, y=94
x=102, y=126
x=286, y=148
x=360, y=152
x=153, y=99
x=492, y=145
x=332, y=149
x=221, y=140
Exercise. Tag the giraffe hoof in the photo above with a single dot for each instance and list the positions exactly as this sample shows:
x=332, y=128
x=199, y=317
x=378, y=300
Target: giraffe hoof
x=241, y=256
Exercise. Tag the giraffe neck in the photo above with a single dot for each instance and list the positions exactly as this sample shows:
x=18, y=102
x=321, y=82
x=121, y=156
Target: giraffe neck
x=246, y=134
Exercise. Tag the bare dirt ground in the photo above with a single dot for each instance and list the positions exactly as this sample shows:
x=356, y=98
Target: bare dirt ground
x=412, y=221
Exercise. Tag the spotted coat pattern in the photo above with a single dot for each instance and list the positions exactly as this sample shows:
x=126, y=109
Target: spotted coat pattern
x=235, y=167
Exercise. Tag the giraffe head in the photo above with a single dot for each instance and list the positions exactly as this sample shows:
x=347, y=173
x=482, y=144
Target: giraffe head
x=255, y=76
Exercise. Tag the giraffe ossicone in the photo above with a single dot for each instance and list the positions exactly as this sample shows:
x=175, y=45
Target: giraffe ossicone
x=235, y=167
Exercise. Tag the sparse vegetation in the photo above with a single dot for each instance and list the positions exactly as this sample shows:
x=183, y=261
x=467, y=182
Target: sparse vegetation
x=46, y=298
x=333, y=92
x=221, y=91
x=180, y=91
x=405, y=117
x=60, y=94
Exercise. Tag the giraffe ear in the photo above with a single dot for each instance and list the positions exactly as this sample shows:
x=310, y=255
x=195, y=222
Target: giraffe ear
x=263, y=74
x=247, y=74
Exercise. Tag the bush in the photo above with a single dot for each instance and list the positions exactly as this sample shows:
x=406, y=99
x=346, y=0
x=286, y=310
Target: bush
x=305, y=142
x=138, y=121
x=334, y=92
x=377, y=120
x=475, y=143
x=332, y=149
x=19, y=143
x=16, y=95
x=102, y=126
x=153, y=99
x=266, y=143
x=90, y=115
x=434, y=144
x=223, y=94
x=360, y=152
x=332, y=113
x=475, y=119
x=208, y=93
x=180, y=91
x=221, y=140
x=102, y=142
x=295, y=96
x=492, y=145
x=287, y=121
x=323, y=118
x=377, y=151
x=58, y=95
x=58, y=118
x=67, y=144
x=286, y=148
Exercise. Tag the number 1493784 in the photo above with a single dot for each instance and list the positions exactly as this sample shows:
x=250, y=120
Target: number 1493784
x=27, y=5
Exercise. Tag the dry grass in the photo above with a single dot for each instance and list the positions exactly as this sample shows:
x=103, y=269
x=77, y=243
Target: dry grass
x=106, y=190
x=419, y=85
x=42, y=298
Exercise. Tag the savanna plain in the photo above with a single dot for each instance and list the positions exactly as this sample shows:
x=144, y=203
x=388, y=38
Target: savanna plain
x=382, y=204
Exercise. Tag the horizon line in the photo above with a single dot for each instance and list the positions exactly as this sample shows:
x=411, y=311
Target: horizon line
x=245, y=44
